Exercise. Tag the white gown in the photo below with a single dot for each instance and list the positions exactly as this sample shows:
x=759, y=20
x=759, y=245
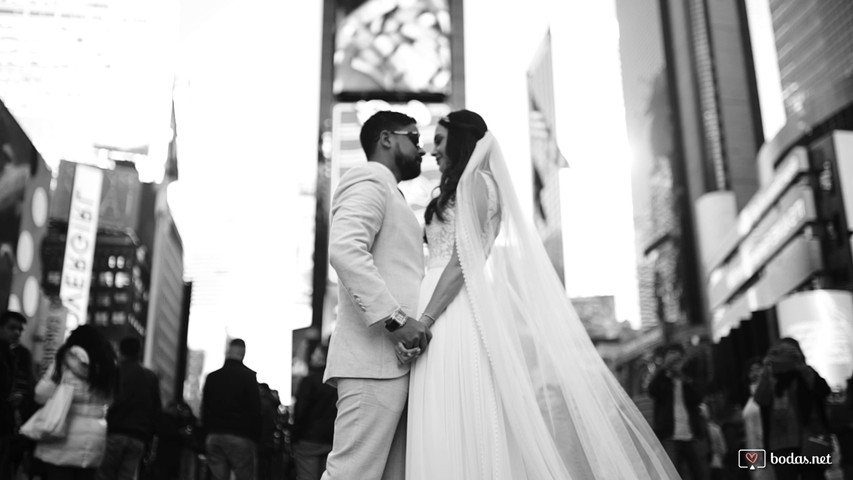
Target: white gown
x=511, y=387
x=456, y=427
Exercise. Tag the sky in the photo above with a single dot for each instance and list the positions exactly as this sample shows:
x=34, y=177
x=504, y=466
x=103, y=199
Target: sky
x=247, y=98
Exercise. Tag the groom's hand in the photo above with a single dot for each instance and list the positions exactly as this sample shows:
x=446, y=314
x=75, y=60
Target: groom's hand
x=406, y=355
x=413, y=334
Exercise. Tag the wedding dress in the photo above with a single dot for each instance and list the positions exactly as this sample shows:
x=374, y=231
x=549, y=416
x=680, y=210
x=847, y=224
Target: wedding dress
x=511, y=387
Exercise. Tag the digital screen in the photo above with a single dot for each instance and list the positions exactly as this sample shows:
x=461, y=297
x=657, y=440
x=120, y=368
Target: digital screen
x=17, y=156
x=392, y=46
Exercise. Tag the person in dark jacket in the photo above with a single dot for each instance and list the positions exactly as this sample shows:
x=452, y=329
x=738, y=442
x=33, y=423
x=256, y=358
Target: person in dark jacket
x=132, y=416
x=7, y=423
x=314, y=419
x=17, y=400
x=792, y=396
x=267, y=443
x=231, y=415
x=677, y=418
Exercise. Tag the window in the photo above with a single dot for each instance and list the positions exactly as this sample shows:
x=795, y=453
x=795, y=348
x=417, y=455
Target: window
x=119, y=318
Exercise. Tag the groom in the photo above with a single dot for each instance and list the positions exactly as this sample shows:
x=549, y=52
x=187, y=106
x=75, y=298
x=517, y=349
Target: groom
x=375, y=247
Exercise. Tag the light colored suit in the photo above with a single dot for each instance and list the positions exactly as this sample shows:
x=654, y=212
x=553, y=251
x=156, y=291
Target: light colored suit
x=376, y=248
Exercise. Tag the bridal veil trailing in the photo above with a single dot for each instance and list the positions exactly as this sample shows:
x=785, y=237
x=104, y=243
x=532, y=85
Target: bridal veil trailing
x=565, y=411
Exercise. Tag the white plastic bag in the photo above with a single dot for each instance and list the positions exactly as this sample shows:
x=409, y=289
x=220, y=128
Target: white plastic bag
x=51, y=420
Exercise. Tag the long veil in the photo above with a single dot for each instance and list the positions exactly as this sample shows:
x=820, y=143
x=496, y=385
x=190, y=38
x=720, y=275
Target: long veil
x=567, y=415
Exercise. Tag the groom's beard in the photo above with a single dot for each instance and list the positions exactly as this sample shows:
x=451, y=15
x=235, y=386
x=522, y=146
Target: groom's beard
x=409, y=167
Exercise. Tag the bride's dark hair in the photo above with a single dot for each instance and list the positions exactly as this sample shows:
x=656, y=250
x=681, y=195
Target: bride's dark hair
x=464, y=129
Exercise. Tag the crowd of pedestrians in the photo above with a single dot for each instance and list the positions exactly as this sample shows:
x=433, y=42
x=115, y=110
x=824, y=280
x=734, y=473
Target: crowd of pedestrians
x=786, y=413
x=113, y=426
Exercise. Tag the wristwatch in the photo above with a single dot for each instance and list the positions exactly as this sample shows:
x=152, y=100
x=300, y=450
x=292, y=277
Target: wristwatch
x=397, y=320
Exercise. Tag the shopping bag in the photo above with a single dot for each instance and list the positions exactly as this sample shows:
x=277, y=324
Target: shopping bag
x=51, y=420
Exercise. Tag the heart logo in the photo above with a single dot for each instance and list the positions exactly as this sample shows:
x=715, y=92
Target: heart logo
x=752, y=457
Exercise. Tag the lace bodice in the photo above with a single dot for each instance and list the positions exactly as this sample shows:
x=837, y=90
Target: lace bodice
x=441, y=235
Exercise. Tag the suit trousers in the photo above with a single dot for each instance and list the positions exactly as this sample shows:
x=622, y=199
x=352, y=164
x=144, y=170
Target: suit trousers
x=370, y=430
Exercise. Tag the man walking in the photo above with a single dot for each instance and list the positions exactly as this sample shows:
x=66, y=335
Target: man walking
x=376, y=249
x=231, y=414
x=132, y=416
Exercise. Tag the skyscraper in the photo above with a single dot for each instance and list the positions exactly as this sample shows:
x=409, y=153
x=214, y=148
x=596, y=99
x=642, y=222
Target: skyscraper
x=814, y=40
x=785, y=266
x=693, y=124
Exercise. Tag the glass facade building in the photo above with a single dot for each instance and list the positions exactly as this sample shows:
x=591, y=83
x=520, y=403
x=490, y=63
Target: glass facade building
x=814, y=40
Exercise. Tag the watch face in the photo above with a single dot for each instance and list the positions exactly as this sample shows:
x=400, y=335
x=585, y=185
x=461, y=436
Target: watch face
x=392, y=325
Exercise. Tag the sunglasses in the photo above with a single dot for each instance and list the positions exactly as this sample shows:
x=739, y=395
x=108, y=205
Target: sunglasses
x=415, y=137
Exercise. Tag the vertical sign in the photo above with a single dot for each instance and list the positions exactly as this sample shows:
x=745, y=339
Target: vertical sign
x=52, y=331
x=843, y=143
x=80, y=243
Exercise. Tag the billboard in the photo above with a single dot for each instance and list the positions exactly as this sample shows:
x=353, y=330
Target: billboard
x=662, y=218
x=120, y=196
x=843, y=143
x=392, y=46
x=80, y=244
x=822, y=321
x=19, y=161
x=793, y=211
x=546, y=158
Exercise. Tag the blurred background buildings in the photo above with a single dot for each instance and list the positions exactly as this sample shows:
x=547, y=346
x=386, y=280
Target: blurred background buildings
x=738, y=164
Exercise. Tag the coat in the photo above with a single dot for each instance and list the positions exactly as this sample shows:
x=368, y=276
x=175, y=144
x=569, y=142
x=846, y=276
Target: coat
x=231, y=401
x=661, y=390
x=376, y=248
x=84, y=444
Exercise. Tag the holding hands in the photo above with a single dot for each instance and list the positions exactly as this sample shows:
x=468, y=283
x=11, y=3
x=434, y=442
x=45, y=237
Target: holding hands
x=412, y=337
x=406, y=355
x=409, y=351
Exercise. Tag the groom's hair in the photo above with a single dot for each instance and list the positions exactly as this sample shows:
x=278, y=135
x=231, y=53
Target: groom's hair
x=382, y=120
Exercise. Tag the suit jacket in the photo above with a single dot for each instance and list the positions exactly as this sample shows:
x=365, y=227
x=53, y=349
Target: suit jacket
x=376, y=248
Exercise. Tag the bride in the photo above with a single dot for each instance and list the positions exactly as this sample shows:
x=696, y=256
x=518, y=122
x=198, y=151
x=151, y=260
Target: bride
x=511, y=386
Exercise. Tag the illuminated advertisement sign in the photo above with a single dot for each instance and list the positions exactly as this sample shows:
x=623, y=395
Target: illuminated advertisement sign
x=119, y=201
x=80, y=243
x=798, y=261
x=18, y=164
x=52, y=331
x=392, y=46
x=822, y=321
x=24, y=199
x=843, y=143
x=794, y=210
x=794, y=164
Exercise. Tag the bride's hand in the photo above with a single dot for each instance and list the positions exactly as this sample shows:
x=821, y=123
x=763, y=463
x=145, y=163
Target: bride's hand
x=406, y=355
